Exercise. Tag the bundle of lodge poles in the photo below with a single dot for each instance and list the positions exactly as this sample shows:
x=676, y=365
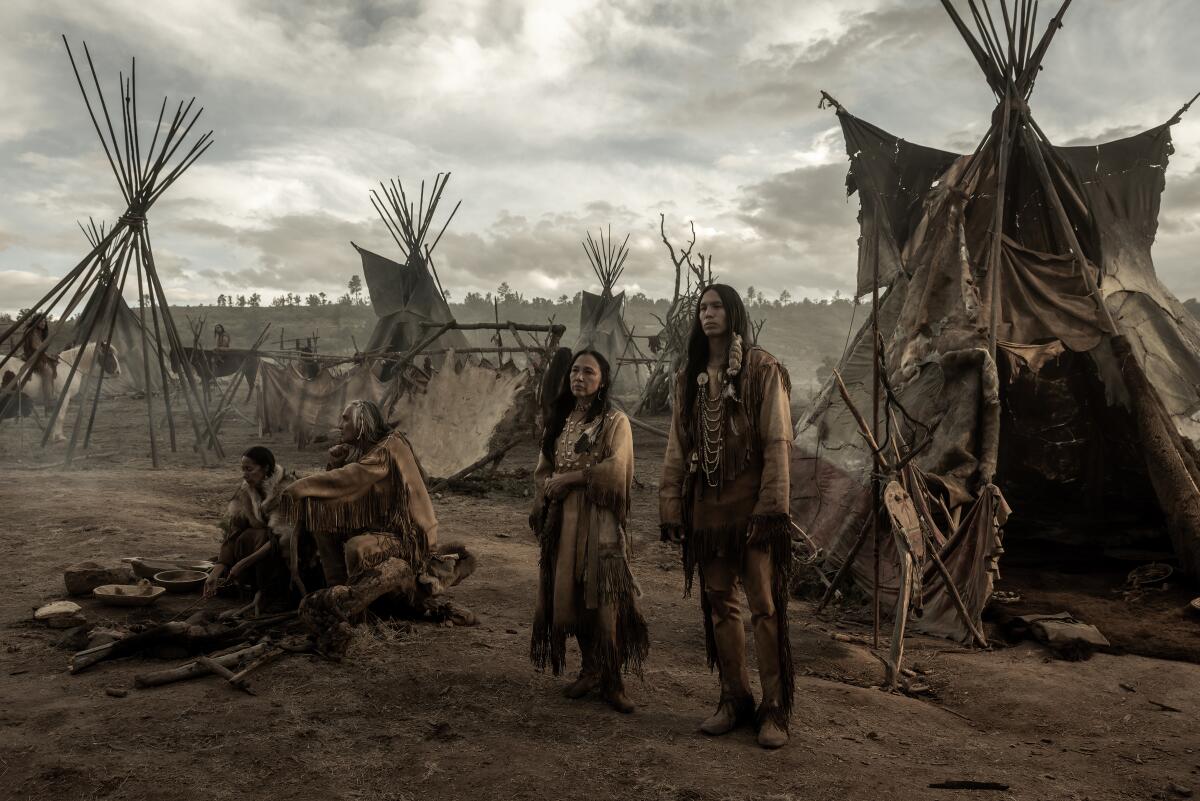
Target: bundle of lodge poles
x=143, y=177
x=901, y=496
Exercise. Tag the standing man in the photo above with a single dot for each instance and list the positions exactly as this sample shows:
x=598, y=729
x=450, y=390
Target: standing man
x=724, y=496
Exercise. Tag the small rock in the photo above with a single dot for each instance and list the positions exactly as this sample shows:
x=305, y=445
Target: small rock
x=115, y=692
x=510, y=631
x=1180, y=790
x=61, y=615
x=84, y=577
x=502, y=535
x=75, y=639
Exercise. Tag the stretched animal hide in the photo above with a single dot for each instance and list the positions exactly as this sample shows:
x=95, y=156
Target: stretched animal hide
x=287, y=401
x=465, y=411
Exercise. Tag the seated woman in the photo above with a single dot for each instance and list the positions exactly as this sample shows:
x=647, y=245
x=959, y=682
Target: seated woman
x=258, y=543
x=375, y=530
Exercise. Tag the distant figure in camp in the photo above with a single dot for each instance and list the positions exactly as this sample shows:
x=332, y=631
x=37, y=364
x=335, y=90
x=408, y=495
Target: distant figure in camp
x=310, y=368
x=725, y=495
x=221, y=337
x=37, y=333
x=582, y=484
x=258, y=542
x=61, y=391
x=375, y=530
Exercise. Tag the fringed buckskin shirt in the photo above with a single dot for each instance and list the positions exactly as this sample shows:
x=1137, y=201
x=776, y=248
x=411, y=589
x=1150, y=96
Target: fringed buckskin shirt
x=382, y=492
x=750, y=504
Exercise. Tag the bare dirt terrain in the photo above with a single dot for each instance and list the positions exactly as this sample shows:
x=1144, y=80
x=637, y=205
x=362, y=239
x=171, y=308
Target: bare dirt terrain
x=424, y=712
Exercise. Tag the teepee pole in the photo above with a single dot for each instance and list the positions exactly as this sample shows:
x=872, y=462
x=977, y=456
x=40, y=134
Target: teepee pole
x=1064, y=222
x=59, y=290
x=159, y=338
x=995, y=254
x=123, y=260
x=981, y=57
x=80, y=293
x=112, y=296
x=1026, y=79
x=190, y=392
x=453, y=211
x=875, y=483
x=148, y=385
x=143, y=178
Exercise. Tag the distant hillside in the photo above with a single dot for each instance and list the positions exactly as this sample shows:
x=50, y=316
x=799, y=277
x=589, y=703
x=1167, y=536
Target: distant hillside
x=802, y=334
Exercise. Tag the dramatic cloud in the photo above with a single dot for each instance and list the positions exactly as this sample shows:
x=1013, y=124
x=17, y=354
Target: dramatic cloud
x=555, y=117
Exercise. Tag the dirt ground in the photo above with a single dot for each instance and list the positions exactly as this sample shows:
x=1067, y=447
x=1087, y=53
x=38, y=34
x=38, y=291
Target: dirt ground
x=424, y=712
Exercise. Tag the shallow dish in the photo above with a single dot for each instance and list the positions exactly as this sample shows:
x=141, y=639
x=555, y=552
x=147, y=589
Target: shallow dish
x=1150, y=575
x=181, y=580
x=128, y=594
x=148, y=568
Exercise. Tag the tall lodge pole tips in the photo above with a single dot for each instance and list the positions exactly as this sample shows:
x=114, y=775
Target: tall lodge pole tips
x=142, y=175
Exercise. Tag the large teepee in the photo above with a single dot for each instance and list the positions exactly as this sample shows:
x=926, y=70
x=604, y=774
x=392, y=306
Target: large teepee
x=1023, y=352
x=602, y=317
x=142, y=175
x=405, y=295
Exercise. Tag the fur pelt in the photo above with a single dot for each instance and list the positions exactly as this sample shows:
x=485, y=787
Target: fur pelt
x=252, y=507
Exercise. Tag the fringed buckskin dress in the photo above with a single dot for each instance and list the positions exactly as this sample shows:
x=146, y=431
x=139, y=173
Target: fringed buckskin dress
x=585, y=587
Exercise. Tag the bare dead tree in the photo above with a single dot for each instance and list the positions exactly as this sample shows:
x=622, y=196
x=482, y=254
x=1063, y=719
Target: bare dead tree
x=756, y=327
x=676, y=325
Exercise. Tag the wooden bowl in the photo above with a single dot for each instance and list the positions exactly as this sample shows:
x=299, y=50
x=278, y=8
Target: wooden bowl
x=149, y=568
x=181, y=580
x=128, y=594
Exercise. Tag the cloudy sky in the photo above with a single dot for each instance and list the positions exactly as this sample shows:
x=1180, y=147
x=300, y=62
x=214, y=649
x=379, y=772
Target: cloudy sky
x=554, y=116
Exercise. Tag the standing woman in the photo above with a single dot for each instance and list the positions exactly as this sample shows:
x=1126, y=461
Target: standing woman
x=585, y=587
x=724, y=495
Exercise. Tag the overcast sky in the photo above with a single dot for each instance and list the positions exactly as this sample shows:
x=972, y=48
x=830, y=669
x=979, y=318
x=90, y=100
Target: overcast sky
x=554, y=117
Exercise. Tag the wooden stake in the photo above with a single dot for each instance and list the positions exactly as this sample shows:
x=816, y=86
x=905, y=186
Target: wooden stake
x=195, y=669
x=225, y=673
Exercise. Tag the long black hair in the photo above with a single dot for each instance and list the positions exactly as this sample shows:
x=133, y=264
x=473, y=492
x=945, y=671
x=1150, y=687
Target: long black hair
x=697, y=350
x=564, y=403
x=262, y=457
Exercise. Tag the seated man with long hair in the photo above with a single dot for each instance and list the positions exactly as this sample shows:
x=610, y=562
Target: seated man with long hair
x=375, y=530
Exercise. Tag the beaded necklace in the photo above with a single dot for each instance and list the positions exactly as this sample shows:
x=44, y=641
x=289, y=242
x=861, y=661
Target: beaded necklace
x=712, y=431
x=565, y=457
